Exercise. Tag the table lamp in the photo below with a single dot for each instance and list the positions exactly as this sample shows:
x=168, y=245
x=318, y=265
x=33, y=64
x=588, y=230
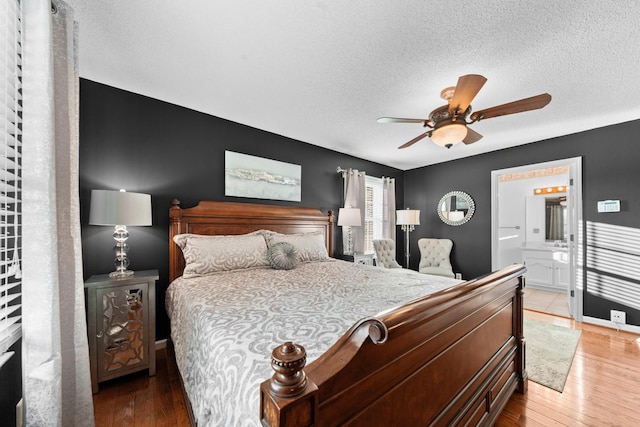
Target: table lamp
x=120, y=209
x=349, y=217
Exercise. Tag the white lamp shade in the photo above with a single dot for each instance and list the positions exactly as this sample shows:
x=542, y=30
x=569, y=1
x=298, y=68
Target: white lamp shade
x=349, y=216
x=119, y=208
x=408, y=217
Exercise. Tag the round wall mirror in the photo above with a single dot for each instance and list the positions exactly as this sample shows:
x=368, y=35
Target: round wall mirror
x=456, y=208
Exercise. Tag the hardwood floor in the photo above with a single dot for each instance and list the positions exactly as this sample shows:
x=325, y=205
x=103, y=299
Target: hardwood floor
x=602, y=388
x=143, y=401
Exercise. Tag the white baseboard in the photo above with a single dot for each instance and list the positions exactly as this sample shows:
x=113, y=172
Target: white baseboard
x=161, y=344
x=609, y=324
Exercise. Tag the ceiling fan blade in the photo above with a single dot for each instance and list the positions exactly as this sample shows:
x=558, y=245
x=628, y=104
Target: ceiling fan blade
x=398, y=120
x=472, y=136
x=527, y=104
x=467, y=88
x=416, y=139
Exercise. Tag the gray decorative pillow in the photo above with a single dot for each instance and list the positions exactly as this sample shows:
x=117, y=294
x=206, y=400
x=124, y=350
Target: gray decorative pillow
x=282, y=256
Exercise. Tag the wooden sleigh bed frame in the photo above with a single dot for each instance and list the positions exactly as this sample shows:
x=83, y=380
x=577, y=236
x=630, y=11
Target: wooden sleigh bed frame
x=454, y=357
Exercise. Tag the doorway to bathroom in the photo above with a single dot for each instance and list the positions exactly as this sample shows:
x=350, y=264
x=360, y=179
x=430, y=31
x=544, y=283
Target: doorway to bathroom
x=536, y=214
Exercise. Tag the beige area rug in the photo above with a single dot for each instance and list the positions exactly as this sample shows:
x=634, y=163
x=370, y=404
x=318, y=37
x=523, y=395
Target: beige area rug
x=549, y=352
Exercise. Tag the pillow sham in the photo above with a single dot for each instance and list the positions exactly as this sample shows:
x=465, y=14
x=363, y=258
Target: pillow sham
x=282, y=256
x=211, y=254
x=261, y=232
x=310, y=246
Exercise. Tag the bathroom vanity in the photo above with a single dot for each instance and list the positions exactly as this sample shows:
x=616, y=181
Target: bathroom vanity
x=547, y=267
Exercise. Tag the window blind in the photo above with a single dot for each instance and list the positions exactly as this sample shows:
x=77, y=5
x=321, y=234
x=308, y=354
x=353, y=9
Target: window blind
x=374, y=205
x=10, y=174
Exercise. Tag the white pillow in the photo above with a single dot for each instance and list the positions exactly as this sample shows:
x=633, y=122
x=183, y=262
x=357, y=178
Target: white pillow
x=211, y=254
x=310, y=246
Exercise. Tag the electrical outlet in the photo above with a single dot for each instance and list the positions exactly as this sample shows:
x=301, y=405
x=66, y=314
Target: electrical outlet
x=618, y=317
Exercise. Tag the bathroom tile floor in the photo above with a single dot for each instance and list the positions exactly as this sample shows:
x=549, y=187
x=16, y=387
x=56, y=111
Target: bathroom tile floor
x=546, y=301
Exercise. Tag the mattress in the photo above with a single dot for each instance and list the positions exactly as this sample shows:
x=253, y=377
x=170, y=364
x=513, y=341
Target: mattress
x=225, y=325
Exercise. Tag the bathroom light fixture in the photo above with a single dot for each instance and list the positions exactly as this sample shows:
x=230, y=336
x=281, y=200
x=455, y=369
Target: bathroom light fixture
x=550, y=190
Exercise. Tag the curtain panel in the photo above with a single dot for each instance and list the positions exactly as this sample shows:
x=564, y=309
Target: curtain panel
x=354, y=197
x=556, y=222
x=57, y=383
x=389, y=208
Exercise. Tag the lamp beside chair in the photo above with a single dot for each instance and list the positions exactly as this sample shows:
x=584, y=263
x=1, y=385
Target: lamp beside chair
x=407, y=219
x=349, y=217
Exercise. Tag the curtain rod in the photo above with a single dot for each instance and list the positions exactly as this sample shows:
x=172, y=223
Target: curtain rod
x=340, y=170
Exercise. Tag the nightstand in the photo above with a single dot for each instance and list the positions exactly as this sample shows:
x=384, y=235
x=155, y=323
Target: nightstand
x=366, y=259
x=121, y=318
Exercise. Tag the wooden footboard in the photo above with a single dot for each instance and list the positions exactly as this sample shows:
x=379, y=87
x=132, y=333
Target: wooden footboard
x=452, y=358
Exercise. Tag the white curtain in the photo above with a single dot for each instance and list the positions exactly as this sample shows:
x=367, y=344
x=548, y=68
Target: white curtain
x=57, y=382
x=389, y=208
x=354, y=197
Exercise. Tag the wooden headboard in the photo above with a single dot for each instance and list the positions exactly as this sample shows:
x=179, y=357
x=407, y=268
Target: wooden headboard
x=228, y=218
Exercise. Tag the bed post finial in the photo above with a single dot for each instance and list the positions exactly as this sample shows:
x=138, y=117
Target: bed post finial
x=288, y=398
x=289, y=379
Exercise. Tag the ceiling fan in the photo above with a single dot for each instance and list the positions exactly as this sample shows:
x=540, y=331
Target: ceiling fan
x=448, y=124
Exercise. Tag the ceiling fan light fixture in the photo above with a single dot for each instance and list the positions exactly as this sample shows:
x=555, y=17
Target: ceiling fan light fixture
x=449, y=134
x=448, y=124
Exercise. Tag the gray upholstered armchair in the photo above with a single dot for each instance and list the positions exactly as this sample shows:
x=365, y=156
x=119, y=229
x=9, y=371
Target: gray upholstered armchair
x=435, y=257
x=386, y=253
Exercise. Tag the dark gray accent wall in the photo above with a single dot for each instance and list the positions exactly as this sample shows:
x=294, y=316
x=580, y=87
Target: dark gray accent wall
x=149, y=146
x=146, y=145
x=610, y=171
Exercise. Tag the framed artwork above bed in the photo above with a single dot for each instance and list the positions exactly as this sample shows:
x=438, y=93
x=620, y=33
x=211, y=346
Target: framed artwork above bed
x=260, y=178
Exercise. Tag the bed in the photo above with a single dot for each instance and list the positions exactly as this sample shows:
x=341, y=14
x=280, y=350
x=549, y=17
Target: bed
x=328, y=342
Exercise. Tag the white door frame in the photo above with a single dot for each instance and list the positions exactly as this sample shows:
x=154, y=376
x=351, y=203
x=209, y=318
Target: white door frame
x=574, y=216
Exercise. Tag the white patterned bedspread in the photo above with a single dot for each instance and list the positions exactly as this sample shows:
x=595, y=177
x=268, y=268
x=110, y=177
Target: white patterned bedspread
x=224, y=326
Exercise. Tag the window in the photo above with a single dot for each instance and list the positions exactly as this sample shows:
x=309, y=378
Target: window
x=10, y=174
x=373, y=217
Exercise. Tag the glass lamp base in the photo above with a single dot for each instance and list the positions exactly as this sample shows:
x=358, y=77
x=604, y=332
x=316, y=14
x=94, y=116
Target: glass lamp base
x=348, y=250
x=121, y=262
x=120, y=274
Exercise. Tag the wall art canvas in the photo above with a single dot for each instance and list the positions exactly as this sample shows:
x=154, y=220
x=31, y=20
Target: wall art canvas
x=260, y=178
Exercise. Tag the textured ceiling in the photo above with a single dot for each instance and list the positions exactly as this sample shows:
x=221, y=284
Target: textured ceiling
x=322, y=72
